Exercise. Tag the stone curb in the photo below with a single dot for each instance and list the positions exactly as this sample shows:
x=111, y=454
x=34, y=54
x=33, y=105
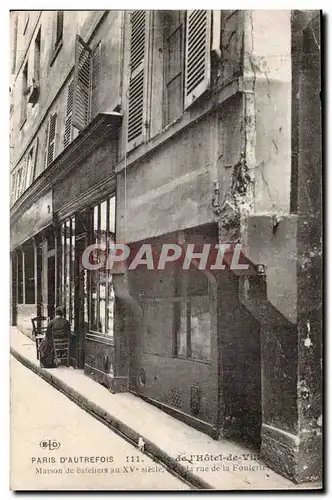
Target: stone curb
x=113, y=423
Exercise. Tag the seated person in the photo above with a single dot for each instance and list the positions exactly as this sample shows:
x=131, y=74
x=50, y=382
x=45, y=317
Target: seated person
x=57, y=325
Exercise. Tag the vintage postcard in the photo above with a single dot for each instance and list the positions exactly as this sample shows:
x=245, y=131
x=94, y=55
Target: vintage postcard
x=166, y=250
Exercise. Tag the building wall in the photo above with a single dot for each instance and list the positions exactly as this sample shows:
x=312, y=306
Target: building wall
x=55, y=76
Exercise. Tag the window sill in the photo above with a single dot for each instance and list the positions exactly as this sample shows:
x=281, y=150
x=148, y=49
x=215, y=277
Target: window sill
x=56, y=52
x=99, y=337
x=193, y=360
x=187, y=119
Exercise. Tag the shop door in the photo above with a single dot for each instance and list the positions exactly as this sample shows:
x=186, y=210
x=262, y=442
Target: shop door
x=81, y=302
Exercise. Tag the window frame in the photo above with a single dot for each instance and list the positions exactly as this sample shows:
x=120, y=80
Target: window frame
x=109, y=333
x=57, y=40
x=24, y=94
x=183, y=296
x=166, y=36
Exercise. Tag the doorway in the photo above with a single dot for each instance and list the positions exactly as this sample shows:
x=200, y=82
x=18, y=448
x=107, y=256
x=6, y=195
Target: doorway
x=239, y=366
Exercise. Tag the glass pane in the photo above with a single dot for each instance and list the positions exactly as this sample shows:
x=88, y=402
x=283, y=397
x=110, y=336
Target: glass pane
x=86, y=302
x=112, y=215
x=95, y=221
x=110, y=308
x=62, y=264
x=67, y=271
x=182, y=332
x=72, y=315
x=200, y=327
x=103, y=208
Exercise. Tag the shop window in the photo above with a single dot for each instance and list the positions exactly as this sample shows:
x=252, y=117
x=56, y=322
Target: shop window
x=20, y=282
x=29, y=275
x=102, y=298
x=193, y=317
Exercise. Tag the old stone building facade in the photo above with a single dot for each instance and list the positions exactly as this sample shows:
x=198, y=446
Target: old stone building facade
x=158, y=126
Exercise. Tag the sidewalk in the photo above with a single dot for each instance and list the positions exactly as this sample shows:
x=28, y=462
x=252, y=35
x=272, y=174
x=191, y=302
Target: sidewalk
x=165, y=437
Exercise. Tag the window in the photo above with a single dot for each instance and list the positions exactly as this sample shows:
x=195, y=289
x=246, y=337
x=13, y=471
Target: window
x=58, y=28
x=29, y=274
x=69, y=113
x=37, y=58
x=14, y=44
x=102, y=298
x=20, y=278
x=197, y=59
x=13, y=187
x=25, y=21
x=173, y=27
x=57, y=35
x=24, y=96
x=51, y=138
x=139, y=34
x=68, y=268
x=86, y=83
x=193, y=317
x=31, y=164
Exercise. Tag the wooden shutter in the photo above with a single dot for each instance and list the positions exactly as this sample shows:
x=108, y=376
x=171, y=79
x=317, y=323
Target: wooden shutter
x=95, y=79
x=137, y=83
x=51, y=139
x=69, y=112
x=25, y=174
x=197, y=63
x=13, y=187
x=32, y=167
x=82, y=85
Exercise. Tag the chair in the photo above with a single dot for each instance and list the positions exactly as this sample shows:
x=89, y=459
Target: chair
x=61, y=347
x=39, y=327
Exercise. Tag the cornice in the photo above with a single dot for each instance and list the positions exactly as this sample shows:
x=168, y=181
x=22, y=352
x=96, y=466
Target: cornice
x=103, y=126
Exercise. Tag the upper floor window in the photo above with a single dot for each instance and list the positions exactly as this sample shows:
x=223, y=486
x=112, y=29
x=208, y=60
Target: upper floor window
x=59, y=28
x=51, y=134
x=57, y=34
x=86, y=83
x=173, y=40
x=186, y=48
x=25, y=21
x=24, y=94
x=14, y=43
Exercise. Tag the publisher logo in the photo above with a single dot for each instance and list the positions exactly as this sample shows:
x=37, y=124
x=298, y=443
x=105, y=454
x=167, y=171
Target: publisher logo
x=51, y=444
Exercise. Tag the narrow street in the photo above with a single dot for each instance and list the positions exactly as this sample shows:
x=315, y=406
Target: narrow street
x=85, y=455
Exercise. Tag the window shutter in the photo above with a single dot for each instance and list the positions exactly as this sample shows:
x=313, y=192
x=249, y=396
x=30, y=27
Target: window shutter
x=34, y=163
x=69, y=112
x=197, y=64
x=13, y=187
x=82, y=85
x=51, y=139
x=137, y=90
x=25, y=174
x=95, y=79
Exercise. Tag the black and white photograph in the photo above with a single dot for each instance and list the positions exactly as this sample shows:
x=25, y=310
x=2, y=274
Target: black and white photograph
x=166, y=250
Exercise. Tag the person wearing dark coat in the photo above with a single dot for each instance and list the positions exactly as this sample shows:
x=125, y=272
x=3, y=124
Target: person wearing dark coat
x=57, y=325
